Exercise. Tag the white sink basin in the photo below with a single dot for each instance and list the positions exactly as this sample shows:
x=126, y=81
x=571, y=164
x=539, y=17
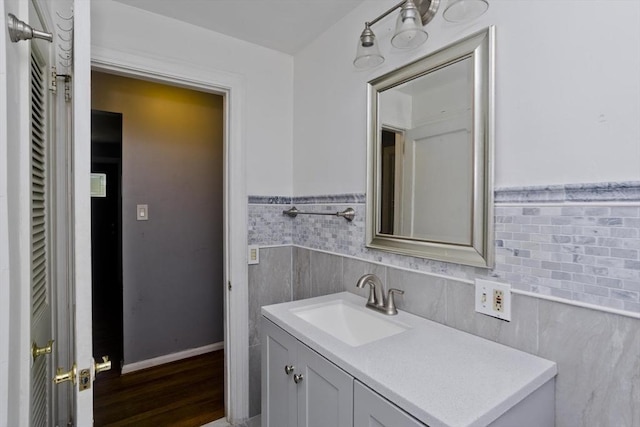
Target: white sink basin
x=350, y=324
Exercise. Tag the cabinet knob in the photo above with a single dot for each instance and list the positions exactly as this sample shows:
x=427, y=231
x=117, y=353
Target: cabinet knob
x=297, y=378
x=289, y=369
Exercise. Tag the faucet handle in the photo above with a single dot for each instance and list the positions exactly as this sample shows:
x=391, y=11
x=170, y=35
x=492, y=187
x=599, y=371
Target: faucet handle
x=390, y=308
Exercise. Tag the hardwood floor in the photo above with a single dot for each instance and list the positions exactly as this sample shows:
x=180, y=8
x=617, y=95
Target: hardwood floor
x=185, y=393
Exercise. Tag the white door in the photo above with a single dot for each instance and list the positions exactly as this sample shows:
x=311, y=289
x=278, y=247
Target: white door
x=78, y=372
x=81, y=210
x=42, y=297
x=45, y=203
x=441, y=184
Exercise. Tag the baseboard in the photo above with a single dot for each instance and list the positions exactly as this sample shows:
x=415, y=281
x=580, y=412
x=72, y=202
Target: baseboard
x=160, y=360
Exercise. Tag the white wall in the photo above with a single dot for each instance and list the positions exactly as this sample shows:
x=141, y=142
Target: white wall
x=567, y=93
x=396, y=109
x=267, y=73
x=443, y=102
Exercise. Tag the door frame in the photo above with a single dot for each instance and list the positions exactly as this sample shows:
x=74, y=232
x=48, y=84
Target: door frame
x=232, y=87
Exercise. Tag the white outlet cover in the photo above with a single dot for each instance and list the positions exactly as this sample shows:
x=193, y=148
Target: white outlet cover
x=484, y=298
x=253, y=254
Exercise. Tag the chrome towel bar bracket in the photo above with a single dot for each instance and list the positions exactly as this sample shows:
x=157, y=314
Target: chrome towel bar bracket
x=347, y=214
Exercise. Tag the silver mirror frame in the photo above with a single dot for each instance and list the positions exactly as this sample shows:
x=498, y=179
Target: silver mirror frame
x=480, y=47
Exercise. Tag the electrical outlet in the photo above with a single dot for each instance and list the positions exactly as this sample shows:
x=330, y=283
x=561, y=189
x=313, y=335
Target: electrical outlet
x=493, y=299
x=254, y=254
x=498, y=305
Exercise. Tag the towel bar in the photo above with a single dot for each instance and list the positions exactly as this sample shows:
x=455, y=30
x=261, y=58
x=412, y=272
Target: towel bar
x=347, y=214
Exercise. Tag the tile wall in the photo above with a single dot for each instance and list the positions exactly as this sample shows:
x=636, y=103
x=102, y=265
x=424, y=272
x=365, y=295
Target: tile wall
x=577, y=242
x=582, y=253
x=598, y=353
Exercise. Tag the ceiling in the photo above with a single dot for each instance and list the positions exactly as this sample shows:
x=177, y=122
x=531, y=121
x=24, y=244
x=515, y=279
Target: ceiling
x=283, y=25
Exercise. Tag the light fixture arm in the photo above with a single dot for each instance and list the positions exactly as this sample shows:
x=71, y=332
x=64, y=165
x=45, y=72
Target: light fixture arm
x=427, y=9
x=387, y=13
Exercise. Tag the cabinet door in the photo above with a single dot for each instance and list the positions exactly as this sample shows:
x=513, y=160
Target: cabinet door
x=325, y=392
x=372, y=410
x=279, y=351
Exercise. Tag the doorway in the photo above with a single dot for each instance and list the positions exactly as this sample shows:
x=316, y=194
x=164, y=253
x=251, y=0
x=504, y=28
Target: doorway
x=106, y=235
x=170, y=267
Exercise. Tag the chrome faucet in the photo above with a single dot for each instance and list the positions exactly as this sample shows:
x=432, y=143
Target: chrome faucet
x=376, y=300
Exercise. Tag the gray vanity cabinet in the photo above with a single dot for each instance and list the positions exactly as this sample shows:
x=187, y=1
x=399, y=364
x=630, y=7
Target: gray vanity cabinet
x=300, y=387
x=279, y=391
x=373, y=410
x=325, y=395
x=429, y=374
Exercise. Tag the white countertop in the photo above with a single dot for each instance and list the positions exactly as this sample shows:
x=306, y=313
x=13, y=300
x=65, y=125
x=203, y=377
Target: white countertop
x=440, y=375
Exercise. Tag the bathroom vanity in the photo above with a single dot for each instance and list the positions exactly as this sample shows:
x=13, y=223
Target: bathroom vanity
x=329, y=361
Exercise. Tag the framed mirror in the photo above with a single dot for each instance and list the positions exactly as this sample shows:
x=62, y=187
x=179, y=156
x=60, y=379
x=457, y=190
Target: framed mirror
x=430, y=155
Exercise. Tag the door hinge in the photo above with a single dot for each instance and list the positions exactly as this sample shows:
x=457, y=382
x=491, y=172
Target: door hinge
x=53, y=81
x=67, y=87
x=229, y=284
x=53, y=84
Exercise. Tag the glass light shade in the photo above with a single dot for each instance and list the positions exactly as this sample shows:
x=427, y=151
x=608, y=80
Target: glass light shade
x=465, y=10
x=409, y=32
x=368, y=54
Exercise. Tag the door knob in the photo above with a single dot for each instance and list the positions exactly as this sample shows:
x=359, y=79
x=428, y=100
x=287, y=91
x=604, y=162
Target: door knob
x=289, y=369
x=297, y=378
x=105, y=365
x=41, y=351
x=62, y=376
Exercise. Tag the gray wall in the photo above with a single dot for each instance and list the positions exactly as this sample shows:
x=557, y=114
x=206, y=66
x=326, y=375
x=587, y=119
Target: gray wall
x=596, y=352
x=172, y=263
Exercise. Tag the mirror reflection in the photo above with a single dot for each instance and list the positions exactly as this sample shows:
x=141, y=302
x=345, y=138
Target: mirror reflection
x=427, y=156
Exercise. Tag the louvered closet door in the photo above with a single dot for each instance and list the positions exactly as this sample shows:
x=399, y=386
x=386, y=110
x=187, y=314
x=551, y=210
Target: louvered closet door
x=41, y=285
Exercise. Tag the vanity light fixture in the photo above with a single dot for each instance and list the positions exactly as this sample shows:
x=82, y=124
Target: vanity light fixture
x=464, y=10
x=410, y=32
x=368, y=54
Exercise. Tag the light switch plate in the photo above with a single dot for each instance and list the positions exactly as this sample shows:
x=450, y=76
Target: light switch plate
x=142, y=212
x=493, y=299
x=254, y=254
